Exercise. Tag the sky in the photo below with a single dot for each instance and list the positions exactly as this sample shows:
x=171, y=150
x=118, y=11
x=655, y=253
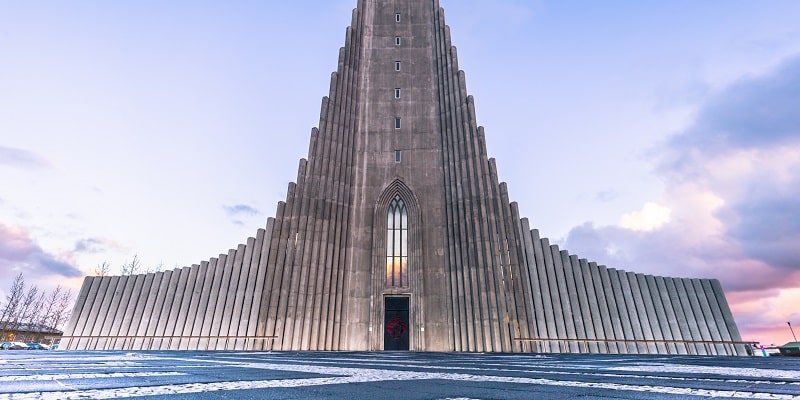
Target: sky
x=656, y=137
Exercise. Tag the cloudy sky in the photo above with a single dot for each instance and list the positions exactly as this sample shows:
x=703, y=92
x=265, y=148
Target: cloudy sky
x=659, y=137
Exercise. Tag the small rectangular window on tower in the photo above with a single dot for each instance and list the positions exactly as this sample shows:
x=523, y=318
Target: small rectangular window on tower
x=397, y=93
x=397, y=65
x=397, y=123
x=397, y=156
x=397, y=41
x=397, y=17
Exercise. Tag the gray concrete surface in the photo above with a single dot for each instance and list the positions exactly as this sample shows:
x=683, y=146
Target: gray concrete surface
x=317, y=375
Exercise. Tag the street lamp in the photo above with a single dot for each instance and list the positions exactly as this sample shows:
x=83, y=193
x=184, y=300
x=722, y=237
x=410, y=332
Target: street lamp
x=790, y=328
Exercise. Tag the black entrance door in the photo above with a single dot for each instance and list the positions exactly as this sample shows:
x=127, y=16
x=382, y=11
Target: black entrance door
x=395, y=335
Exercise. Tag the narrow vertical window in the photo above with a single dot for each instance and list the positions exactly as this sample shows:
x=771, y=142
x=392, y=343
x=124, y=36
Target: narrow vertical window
x=397, y=65
x=396, y=93
x=397, y=123
x=397, y=156
x=397, y=244
x=397, y=17
x=397, y=41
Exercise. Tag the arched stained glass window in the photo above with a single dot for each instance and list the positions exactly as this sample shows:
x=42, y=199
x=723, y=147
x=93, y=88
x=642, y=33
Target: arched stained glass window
x=397, y=244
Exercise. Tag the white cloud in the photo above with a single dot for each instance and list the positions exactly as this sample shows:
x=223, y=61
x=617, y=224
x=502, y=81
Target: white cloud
x=651, y=216
x=730, y=206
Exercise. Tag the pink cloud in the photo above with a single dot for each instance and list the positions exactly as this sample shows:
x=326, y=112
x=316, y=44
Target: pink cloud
x=733, y=192
x=20, y=253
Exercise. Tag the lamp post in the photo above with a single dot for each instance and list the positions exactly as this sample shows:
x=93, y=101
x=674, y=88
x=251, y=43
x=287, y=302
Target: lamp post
x=790, y=328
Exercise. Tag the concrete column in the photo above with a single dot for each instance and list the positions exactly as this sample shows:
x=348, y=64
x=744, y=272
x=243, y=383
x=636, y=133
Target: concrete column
x=577, y=292
x=313, y=296
x=138, y=326
x=469, y=326
x=179, y=309
x=108, y=312
x=524, y=294
x=697, y=312
x=207, y=328
x=547, y=300
x=188, y=313
x=294, y=261
x=80, y=302
x=508, y=254
x=564, y=295
x=233, y=289
x=670, y=315
x=309, y=237
x=717, y=318
x=259, y=293
x=118, y=327
x=154, y=317
x=86, y=297
x=646, y=311
x=680, y=316
x=539, y=328
x=460, y=322
x=660, y=325
x=166, y=318
x=620, y=305
x=207, y=269
x=503, y=243
x=244, y=295
x=284, y=323
x=728, y=317
x=282, y=274
x=267, y=310
x=708, y=316
x=128, y=312
x=606, y=302
x=97, y=305
x=335, y=335
x=630, y=305
x=691, y=320
x=590, y=311
x=472, y=224
x=555, y=295
x=311, y=209
x=215, y=343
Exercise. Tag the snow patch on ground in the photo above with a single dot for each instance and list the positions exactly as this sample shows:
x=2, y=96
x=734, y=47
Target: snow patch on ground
x=697, y=369
x=54, y=377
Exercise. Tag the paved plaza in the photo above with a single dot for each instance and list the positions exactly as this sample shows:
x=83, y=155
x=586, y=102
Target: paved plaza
x=250, y=375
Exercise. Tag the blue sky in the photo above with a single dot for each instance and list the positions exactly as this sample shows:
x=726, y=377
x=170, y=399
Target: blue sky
x=659, y=137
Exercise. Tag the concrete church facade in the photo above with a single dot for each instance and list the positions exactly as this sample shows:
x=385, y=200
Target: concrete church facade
x=398, y=235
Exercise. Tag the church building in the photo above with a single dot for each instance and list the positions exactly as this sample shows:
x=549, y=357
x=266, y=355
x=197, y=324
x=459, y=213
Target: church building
x=398, y=235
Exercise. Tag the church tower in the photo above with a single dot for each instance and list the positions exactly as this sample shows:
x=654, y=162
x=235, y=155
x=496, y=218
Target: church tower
x=398, y=235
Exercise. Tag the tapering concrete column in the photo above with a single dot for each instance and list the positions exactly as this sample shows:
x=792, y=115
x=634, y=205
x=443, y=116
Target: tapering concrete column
x=661, y=325
x=619, y=309
x=108, y=312
x=188, y=309
x=177, y=312
x=121, y=321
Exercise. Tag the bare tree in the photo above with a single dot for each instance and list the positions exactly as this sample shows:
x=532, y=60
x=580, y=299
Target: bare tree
x=102, y=269
x=60, y=313
x=63, y=311
x=34, y=307
x=157, y=268
x=29, y=307
x=13, y=299
x=54, y=308
x=133, y=267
